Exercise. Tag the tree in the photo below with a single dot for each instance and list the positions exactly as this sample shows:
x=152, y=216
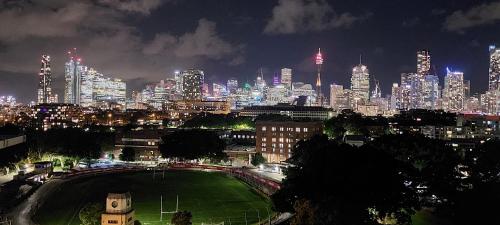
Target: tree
x=192, y=144
x=345, y=184
x=182, y=218
x=424, y=162
x=304, y=213
x=90, y=214
x=476, y=199
x=128, y=154
x=258, y=159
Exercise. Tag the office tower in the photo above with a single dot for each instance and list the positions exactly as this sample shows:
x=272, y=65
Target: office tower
x=178, y=82
x=302, y=89
x=232, y=85
x=72, y=76
x=430, y=92
x=376, y=93
x=87, y=86
x=423, y=69
x=147, y=93
x=466, y=89
x=277, y=94
x=276, y=79
x=109, y=90
x=193, y=81
x=45, y=82
x=319, y=62
x=453, y=91
x=260, y=82
x=339, y=100
x=286, y=77
x=360, y=85
x=423, y=63
x=219, y=90
x=494, y=72
x=395, y=97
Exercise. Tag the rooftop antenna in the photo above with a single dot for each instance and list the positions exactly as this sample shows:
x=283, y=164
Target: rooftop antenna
x=359, y=59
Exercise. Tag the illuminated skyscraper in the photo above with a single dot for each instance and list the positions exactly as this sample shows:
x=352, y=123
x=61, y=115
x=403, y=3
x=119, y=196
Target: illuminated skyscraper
x=395, y=97
x=276, y=79
x=453, y=91
x=109, y=90
x=232, y=85
x=339, y=98
x=494, y=76
x=430, y=92
x=72, y=77
x=423, y=69
x=87, y=86
x=286, y=77
x=319, y=62
x=360, y=86
x=192, y=84
x=45, y=83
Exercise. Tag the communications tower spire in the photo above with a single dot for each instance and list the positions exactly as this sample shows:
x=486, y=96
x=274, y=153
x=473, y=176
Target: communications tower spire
x=319, y=62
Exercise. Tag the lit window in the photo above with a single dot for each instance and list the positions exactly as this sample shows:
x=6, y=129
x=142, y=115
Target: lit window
x=264, y=139
x=264, y=128
x=273, y=129
x=305, y=129
x=281, y=139
x=282, y=129
x=273, y=140
x=297, y=129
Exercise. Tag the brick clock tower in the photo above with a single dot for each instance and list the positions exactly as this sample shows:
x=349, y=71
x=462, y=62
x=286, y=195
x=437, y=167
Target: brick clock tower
x=118, y=210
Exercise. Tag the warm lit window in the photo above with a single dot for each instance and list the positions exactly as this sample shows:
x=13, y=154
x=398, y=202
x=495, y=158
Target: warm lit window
x=264, y=128
x=297, y=129
x=305, y=129
x=273, y=128
x=273, y=140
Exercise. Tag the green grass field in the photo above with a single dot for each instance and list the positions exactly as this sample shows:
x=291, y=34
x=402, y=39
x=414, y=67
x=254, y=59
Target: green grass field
x=210, y=197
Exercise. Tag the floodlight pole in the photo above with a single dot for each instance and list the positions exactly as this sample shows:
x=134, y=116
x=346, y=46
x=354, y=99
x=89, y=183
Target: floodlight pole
x=161, y=207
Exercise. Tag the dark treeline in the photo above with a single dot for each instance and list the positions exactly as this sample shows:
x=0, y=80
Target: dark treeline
x=192, y=144
x=388, y=180
x=220, y=121
x=70, y=142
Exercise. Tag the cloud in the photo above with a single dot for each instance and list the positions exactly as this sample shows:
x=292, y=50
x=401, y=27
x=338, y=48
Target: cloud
x=459, y=21
x=38, y=20
x=203, y=42
x=135, y=6
x=299, y=16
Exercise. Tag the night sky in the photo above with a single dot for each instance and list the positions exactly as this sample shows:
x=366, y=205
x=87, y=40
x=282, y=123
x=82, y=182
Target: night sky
x=146, y=40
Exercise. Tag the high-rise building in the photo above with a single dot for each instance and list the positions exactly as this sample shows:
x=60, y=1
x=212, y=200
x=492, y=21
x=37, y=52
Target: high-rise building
x=423, y=69
x=219, y=90
x=87, y=86
x=277, y=94
x=45, y=82
x=178, y=82
x=232, y=85
x=192, y=84
x=423, y=63
x=430, y=92
x=109, y=90
x=72, y=77
x=453, y=91
x=301, y=89
x=494, y=76
x=339, y=100
x=276, y=79
x=395, y=97
x=360, y=86
x=466, y=89
x=286, y=77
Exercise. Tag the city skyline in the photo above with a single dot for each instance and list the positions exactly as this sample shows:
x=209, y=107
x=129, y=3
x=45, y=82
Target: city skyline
x=141, y=49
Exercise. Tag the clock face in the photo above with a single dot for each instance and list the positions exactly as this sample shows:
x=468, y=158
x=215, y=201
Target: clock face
x=114, y=204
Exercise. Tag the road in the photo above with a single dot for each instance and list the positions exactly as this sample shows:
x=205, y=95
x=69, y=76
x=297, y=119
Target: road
x=21, y=215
